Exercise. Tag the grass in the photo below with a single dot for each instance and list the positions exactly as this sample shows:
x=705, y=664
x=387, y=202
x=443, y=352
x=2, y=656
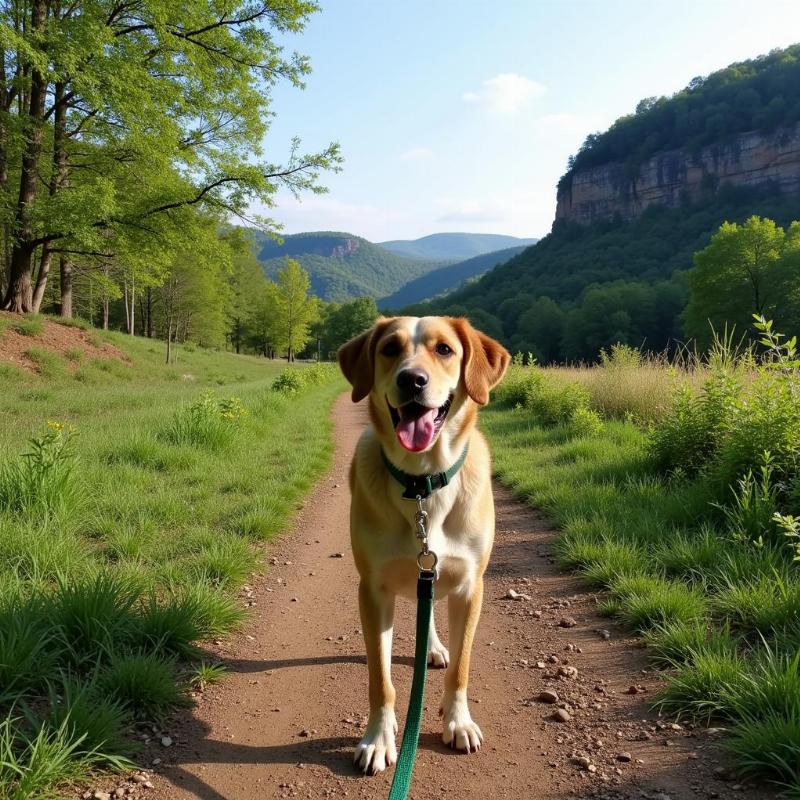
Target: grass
x=669, y=505
x=135, y=499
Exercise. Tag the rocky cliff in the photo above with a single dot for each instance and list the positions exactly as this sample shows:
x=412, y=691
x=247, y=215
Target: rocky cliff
x=620, y=189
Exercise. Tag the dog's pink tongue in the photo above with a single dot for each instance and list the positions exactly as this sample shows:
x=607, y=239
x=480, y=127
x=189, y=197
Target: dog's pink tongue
x=415, y=433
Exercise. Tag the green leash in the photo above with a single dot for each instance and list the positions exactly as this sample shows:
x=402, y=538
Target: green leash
x=408, y=748
x=419, y=488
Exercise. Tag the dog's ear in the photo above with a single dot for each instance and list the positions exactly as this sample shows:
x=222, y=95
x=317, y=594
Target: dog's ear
x=357, y=359
x=485, y=361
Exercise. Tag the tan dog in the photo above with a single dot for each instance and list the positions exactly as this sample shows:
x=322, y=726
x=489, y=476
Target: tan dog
x=425, y=378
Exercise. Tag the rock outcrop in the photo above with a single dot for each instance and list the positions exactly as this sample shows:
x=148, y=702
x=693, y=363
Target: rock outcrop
x=617, y=189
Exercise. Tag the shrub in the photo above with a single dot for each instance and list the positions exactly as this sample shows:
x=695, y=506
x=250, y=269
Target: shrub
x=206, y=423
x=43, y=481
x=290, y=381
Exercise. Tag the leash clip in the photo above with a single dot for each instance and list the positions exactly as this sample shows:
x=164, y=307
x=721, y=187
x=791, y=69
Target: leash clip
x=427, y=560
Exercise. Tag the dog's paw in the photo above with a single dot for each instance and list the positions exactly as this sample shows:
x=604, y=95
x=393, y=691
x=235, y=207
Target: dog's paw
x=438, y=656
x=458, y=729
x=377, y=749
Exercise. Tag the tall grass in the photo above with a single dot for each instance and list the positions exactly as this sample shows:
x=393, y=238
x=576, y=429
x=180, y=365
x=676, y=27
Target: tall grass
x=133, y=500
x=684, y=505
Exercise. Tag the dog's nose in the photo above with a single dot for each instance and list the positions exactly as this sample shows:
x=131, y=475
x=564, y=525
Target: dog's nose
x=412, y=380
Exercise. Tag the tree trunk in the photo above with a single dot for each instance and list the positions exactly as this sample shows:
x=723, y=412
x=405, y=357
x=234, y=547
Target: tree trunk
x=65, y=265
x=149, y=308
x=19, y=295
x=105, y=312
x=41, y=279
x=169, y=340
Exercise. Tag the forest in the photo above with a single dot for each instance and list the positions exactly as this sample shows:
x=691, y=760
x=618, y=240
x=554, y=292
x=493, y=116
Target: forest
x=584, y=288
x=130, y=135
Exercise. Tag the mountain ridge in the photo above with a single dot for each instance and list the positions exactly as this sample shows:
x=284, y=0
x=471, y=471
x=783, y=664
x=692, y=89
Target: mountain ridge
x=455, y=245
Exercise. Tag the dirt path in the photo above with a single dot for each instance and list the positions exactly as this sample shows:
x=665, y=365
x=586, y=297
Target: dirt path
x=285, y=722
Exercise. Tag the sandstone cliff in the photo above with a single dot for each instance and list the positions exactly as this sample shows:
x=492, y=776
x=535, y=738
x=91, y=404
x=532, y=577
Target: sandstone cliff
x=617, y=189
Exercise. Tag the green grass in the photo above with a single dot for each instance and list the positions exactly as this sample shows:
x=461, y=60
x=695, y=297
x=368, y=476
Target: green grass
x=699, y=570
x=135, y=499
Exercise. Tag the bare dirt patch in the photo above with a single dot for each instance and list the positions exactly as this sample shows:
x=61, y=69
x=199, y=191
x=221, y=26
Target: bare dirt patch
x=286, y=721
x=72, y=343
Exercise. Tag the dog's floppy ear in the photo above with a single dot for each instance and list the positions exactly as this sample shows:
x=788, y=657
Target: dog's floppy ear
x=485, y=361
x=357, y=359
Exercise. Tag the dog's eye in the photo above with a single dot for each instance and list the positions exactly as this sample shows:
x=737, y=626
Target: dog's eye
x=391, y=348
x=444, y=349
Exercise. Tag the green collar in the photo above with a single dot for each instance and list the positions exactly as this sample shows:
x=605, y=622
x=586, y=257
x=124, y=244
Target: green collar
x=423, y=485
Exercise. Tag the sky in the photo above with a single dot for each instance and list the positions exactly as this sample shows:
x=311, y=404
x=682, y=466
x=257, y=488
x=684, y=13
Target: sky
x=459, y=115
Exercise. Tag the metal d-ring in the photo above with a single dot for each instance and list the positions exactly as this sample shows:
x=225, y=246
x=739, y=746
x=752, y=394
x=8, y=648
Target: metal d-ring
x=427, y=554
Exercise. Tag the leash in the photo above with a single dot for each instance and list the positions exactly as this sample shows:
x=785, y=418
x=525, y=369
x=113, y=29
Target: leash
x=404, y=770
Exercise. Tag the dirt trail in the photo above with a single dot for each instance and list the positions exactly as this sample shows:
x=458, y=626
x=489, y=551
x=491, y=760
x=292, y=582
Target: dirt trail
x=286, y=720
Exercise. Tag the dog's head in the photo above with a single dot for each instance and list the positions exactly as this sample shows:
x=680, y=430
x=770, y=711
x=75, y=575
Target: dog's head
x=421, y=371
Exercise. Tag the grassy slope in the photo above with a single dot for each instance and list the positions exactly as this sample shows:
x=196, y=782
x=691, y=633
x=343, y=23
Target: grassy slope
x=720, y=613
x=160, y=517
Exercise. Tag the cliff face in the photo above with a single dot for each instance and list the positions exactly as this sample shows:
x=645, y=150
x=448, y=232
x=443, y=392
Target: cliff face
x=750, y=159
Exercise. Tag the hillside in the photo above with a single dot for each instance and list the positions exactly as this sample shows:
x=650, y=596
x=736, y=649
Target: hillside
x=636, y=203
x=453, y=246
x=584, y=287
x=444, y=279
x=740, y=126
x=342, y=266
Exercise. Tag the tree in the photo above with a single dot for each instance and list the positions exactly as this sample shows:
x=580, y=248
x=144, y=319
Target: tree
x=116, y=116
x=746, y=269
x=340, y=322
x=295, y=309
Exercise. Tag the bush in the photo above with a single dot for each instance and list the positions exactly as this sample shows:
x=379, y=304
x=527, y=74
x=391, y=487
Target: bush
x=43, y=482
x=207, y=423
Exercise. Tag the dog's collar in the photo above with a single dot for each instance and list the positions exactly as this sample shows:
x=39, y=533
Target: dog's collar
x=423, y=485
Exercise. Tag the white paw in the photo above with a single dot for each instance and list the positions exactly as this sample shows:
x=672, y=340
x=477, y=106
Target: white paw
x=438, y=656
x=458, y=729
x=377, y=749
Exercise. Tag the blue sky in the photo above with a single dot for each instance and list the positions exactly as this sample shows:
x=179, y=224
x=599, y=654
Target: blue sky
x=459, y=115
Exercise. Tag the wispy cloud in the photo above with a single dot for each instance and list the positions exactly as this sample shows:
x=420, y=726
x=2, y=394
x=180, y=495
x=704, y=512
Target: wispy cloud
x=506, y=93
x=417, y=154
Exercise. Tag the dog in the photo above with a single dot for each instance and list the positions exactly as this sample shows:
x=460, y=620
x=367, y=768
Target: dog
x=425, y=378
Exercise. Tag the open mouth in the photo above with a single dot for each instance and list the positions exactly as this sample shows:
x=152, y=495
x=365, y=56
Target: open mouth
x=416, y=425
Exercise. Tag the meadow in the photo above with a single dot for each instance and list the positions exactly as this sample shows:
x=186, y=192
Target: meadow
x=676, y=490
x=135, y=498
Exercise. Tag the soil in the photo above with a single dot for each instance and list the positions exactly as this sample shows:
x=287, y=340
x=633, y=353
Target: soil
x=287, y=719
x=56, y=338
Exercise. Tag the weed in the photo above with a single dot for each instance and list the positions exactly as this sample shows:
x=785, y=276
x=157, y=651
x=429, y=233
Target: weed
x=142, y=683
x=206, y=674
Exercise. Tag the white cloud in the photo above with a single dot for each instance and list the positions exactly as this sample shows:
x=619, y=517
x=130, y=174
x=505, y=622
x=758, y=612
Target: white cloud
x=506, y=93
x=417, y=154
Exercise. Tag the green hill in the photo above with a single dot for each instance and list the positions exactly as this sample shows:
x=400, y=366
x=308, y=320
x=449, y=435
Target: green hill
x=586, y=286
x=342, y=266
x=452, y=246
x=444, y=279
x=583, y=288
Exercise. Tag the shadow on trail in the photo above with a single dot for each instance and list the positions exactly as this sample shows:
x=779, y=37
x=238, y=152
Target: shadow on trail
x=251, y=666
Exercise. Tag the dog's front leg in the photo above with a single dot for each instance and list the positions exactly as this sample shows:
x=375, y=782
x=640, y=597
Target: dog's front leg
x=458, y=729
x=377, y=749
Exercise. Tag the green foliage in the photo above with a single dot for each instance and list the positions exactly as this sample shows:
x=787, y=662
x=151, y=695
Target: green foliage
x=758, y=94
x=745, y=270
x=342, y=266
x=584, y=288
x=142, y=683
x=43, y=482
x=206, y=674
x=690, y=524
x=29, y=325
x=207, y=423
